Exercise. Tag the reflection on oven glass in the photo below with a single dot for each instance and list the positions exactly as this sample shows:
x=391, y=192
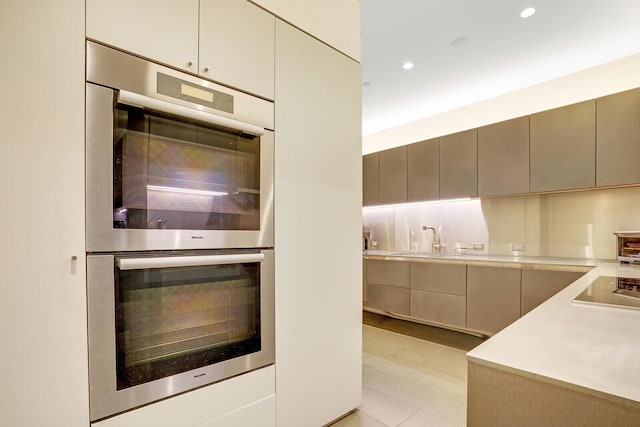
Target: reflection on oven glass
x=173, y=320
x=174, y=175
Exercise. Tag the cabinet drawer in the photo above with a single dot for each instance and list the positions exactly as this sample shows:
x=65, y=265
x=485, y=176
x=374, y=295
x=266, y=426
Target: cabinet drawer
x=441, y=308
x=390, y=273
x=388, y=298
x=444, y=278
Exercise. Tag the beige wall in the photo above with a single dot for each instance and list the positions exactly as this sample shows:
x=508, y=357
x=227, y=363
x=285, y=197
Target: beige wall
x=605, y=79
x=578, y=224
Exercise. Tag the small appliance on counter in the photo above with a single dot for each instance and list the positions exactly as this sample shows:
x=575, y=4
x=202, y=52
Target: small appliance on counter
x=628, y=246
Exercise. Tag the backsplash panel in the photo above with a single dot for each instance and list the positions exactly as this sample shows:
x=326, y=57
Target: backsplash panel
x=576, y=224
x=457, y=223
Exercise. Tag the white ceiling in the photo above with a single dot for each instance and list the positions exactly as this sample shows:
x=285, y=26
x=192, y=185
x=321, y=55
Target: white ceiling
x=466, y=51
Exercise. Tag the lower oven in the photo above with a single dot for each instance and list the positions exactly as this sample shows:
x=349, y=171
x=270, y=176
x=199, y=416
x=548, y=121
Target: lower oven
x=162, y=323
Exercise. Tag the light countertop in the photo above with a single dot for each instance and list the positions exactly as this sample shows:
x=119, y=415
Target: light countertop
x=575, y=264
x=589, y=348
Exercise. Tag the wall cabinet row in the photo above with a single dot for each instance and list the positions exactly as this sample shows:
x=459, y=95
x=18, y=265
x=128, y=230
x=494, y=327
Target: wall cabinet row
x=474, y=297
x=229, y=41
x=590, y=144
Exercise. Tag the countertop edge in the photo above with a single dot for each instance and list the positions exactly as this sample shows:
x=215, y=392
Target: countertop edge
x=619, y=400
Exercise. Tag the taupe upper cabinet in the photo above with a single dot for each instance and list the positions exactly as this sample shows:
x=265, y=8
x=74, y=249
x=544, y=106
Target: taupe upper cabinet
x=371, y=179
x=618, y=136
x=562, y=148
x=503, y=158
x=459, y=165
x=393, y=175
x=423, y=170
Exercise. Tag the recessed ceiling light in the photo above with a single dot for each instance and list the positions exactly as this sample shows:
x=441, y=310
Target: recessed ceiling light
x=527, y=12
x=407, y=65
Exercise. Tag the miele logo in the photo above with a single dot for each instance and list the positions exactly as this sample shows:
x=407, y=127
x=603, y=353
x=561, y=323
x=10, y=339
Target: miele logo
x=200, y=375
x=197, y=237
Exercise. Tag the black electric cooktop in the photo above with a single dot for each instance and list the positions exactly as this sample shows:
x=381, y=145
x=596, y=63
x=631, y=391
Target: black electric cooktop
x=621, y=292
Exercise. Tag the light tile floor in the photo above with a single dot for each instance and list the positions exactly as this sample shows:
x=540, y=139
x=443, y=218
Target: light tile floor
x=409, y=382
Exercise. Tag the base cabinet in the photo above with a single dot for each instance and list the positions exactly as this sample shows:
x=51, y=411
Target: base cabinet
x=476, y=297
x=389, y=299
x=438, y=292
x=239, y=401
x=493, y=297
x=387, y=286
x=540, y=285
x=441, y=308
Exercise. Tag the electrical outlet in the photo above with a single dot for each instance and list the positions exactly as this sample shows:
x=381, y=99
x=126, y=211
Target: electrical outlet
x=478, y=246
x=517, y=247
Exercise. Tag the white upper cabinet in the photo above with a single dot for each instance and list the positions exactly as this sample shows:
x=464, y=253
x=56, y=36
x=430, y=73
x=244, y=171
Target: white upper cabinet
x=162, y=30
x=237, y=45
x=335, y=22
x=229, y=41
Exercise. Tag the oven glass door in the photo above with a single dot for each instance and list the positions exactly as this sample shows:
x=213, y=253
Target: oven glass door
x=175, y=323
x=171, y=320
x=170, y=174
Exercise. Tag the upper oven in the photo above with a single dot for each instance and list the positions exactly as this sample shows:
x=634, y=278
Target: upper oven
x=173, y=161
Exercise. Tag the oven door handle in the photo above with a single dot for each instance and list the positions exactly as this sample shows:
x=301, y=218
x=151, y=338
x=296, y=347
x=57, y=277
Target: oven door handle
x=137, y=100
x=186, y=261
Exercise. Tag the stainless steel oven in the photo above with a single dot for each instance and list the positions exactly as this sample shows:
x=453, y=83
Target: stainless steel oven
x=173, y=161
x=161, y=323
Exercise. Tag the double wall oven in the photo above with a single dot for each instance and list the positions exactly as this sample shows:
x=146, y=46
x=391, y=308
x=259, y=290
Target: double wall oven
x=179, y=225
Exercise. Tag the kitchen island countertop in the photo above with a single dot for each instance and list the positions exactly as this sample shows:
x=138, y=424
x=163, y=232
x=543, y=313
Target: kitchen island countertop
x=588, y=348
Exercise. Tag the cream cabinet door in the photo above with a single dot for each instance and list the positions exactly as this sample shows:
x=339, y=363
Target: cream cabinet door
x=165, y=31
x=237, y=45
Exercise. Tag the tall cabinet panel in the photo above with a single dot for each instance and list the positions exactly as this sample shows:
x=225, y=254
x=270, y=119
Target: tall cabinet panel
x=423, y=170
x=618, y=139
x=563, y=148
x=393, y=175
x=162, y=30
x=503, y=158
x=318, y=182
x=43, y=313
x=459, y=165
x=371, y=179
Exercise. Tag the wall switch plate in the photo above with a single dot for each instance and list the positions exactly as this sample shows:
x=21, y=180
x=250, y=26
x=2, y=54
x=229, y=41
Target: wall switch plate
x=478, y=246
x=517, y=247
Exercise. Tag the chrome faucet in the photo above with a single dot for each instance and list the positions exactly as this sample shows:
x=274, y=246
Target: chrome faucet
x=435, y=245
